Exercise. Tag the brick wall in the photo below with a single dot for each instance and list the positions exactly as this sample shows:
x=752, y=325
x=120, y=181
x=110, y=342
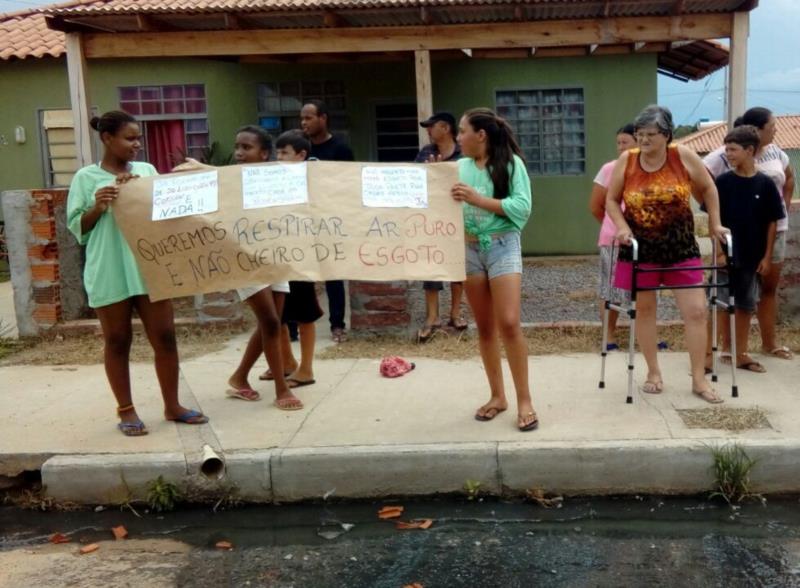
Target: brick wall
x=43, y=257
x=379, y=307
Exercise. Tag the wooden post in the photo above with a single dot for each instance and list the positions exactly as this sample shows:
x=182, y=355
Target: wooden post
x=422, y=68
x=76, y=70
x=737, y=67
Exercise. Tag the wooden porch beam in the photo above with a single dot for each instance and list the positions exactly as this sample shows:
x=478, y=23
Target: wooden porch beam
x=79, y=99
x=540, y=34
x=422, y=70
x=232, y=21
x=737, y=67
x=335, y=20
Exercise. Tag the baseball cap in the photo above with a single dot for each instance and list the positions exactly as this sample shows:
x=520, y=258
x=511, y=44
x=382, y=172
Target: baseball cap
x=439, y=116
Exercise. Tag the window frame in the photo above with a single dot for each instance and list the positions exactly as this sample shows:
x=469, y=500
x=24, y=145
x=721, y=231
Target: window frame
x=182, y=116
x=514, y=125
x=303, y=98
x=398, y=101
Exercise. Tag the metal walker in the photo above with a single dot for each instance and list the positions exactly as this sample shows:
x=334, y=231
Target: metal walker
x=714, y=302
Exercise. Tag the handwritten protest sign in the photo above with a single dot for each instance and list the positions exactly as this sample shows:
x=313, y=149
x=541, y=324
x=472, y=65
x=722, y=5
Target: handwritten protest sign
x=274, y=185
x=400, y=186
x=174, y=197
x=332, y=236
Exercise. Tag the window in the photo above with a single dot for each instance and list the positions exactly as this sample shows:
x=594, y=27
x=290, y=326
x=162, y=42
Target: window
x=147, y=101
x=550, y=127
x=396, y=132
x=279, y=104
x=183, y=102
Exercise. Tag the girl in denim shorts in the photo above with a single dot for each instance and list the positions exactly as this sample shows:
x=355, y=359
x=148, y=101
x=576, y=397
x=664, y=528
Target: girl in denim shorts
x=495, y=190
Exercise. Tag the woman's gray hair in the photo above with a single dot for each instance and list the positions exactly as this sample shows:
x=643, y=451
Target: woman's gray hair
x=658, y=116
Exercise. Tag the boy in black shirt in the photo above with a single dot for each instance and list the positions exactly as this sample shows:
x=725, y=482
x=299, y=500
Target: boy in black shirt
x=749, y=205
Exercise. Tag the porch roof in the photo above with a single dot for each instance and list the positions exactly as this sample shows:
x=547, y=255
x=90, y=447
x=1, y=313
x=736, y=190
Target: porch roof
x=37, y=33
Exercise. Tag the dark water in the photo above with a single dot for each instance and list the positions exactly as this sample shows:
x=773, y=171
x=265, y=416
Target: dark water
x=589, y=542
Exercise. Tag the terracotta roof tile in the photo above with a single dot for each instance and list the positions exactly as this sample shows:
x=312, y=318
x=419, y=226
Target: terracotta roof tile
x=26, y=35
x=787, y=135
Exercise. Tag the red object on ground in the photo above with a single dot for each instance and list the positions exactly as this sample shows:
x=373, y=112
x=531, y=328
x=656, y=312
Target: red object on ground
x=394, y=366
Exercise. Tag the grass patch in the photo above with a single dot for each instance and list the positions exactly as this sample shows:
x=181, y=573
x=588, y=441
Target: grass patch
x=193, y=341
x=448, y=345
x=732, y=467
x=725, y=419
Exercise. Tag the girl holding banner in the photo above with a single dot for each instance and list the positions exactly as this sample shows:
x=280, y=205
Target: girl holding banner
x=495, y=190
x=254, y=145
x=111, y=276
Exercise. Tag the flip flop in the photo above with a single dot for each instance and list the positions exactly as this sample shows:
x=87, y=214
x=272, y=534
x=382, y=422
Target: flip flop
x=427, y=332
x=243, y=393
x=295, y=383
x=531, y=426
x=612, y=347
x=486, y=418
x=709, y=396
x=296, y=404
x=135, y=429
x=650, y=387
x=458, y=324
x=267, y=376
x=781, y=352
x=190, y=417
x=752, y=366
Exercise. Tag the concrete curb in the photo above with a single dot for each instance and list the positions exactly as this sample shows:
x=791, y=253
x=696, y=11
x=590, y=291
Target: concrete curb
x=289, y=475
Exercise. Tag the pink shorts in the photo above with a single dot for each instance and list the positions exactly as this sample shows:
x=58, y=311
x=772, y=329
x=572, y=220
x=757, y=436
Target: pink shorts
x=683, y=274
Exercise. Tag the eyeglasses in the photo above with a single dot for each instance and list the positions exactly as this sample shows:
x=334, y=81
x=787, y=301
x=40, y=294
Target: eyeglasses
x=640, y=136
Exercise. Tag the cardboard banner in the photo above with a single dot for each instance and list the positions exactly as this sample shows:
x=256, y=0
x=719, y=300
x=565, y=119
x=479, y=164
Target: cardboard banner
x=222, y=228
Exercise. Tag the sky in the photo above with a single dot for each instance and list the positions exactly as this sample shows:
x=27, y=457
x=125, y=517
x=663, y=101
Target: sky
x=773, y=67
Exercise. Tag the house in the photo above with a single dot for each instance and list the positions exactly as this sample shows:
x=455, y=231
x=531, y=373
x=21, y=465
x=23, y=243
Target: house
x=565, y=73
x=787, y=137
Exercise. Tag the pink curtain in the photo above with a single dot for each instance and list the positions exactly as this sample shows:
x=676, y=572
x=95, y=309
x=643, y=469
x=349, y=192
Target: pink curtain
x=166, y=144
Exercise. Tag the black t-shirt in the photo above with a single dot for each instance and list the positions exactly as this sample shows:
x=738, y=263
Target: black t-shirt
x=334, y=149
x=747, y=207
x=432, y=150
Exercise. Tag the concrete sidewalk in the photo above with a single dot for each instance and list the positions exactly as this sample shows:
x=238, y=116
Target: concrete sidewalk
x=363, y=435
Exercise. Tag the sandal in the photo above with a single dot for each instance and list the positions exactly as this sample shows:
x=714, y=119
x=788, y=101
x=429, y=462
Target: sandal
x=267, y=375
x=427, y=331
x=243, y=393
x=486, y=417
x=190, y=417
x=131, y=429
x=531, y=426
x=751, y=365
x=709, y=396
x=781, y=352
x=288, y=404
x=295, y=383
x=339, y=335
x=458, y=323
x=652, y=387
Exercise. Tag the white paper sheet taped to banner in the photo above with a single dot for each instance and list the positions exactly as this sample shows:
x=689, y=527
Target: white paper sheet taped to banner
x=178, y=196
x=395, y=187
x=274, y=185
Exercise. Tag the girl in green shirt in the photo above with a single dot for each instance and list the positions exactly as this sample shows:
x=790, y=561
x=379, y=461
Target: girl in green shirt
x=495, y=190
x=111, y=276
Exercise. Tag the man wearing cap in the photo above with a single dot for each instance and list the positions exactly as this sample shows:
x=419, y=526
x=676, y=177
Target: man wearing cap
x=442, y=131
